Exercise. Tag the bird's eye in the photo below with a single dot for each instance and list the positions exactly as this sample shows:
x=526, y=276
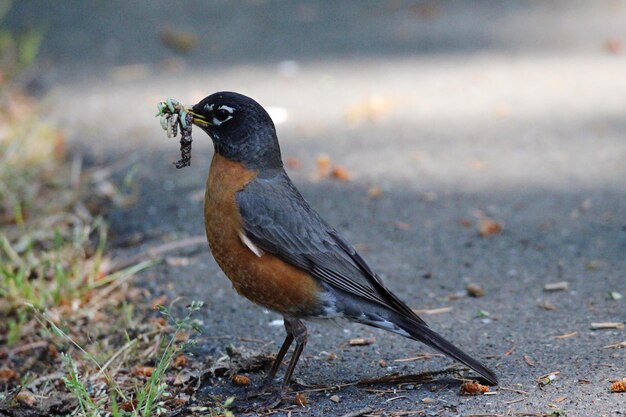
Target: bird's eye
x=222, y=114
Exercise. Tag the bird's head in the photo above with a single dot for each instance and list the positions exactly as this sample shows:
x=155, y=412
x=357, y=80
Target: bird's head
x=240, y=128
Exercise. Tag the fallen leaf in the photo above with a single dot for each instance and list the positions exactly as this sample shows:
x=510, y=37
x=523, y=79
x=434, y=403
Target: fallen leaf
x=300, y=399
x=239, y=379
x=474, y=290
x=7, y=374
x=26, y=398
x=129, y=406
x=159, y=301
x=180, y=361
x=473, y=388
x=341, y=173
x=619, y=386
x=362, y=341
x=158, y=321
x=143, y=371
x=489, y=227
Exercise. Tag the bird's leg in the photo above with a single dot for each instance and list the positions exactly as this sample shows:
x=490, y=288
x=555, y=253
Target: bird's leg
x=269, y=379
x=296, y=330
x=299, y=332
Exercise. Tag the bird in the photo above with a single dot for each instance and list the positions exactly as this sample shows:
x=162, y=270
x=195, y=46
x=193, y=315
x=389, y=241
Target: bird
x=277, y=250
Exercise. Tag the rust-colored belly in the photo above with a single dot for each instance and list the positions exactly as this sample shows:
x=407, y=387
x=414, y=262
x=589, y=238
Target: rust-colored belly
x=265, y=280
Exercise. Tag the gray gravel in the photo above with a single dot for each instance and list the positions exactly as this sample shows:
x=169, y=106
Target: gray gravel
x=456, y=110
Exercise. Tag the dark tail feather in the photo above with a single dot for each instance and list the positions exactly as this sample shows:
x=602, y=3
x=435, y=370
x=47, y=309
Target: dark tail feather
x=424, y=334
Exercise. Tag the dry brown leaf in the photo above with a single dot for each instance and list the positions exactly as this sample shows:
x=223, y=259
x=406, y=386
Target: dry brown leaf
x=26, y=398
x=489, y=227
x=300, y=399
x=180, y=361
x=143, y=371
x=159, y=301
x=473, y=388
x=362, y=341
x=619, y=386
x=341, y=173
x=158, y=321
x=239, y=379
x=129, y=406
x=7, y=374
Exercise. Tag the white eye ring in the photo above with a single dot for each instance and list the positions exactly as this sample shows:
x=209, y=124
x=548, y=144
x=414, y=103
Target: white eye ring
x=225, y=113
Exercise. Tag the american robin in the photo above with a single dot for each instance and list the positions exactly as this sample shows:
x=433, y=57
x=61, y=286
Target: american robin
x=277, y=250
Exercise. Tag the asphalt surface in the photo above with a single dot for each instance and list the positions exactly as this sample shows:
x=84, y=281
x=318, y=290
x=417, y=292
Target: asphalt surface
x=457, y=111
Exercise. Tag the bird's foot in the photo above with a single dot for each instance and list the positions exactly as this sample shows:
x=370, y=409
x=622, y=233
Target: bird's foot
x=272, y=401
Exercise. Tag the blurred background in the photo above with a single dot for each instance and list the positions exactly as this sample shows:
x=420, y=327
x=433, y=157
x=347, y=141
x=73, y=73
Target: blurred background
x=454, y=142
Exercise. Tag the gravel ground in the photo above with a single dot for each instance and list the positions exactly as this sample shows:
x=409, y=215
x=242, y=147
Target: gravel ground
x=457, y=112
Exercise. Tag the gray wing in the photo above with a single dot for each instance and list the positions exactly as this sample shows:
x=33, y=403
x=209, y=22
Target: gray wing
x=278, y=220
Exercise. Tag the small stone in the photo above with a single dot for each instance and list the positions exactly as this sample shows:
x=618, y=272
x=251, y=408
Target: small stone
x=335, y=398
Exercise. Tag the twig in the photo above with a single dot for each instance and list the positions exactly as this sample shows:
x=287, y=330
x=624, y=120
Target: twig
x=519, y=391
x=616, y=345
x=30, y=346
x=607, y=325
x=514, y=401
x=433, y=311
x=419, y=357
x=115, y=356
x=152, y=253
x=566, y=335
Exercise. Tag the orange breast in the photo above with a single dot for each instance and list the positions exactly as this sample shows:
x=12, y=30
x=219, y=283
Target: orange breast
x=266, y=280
